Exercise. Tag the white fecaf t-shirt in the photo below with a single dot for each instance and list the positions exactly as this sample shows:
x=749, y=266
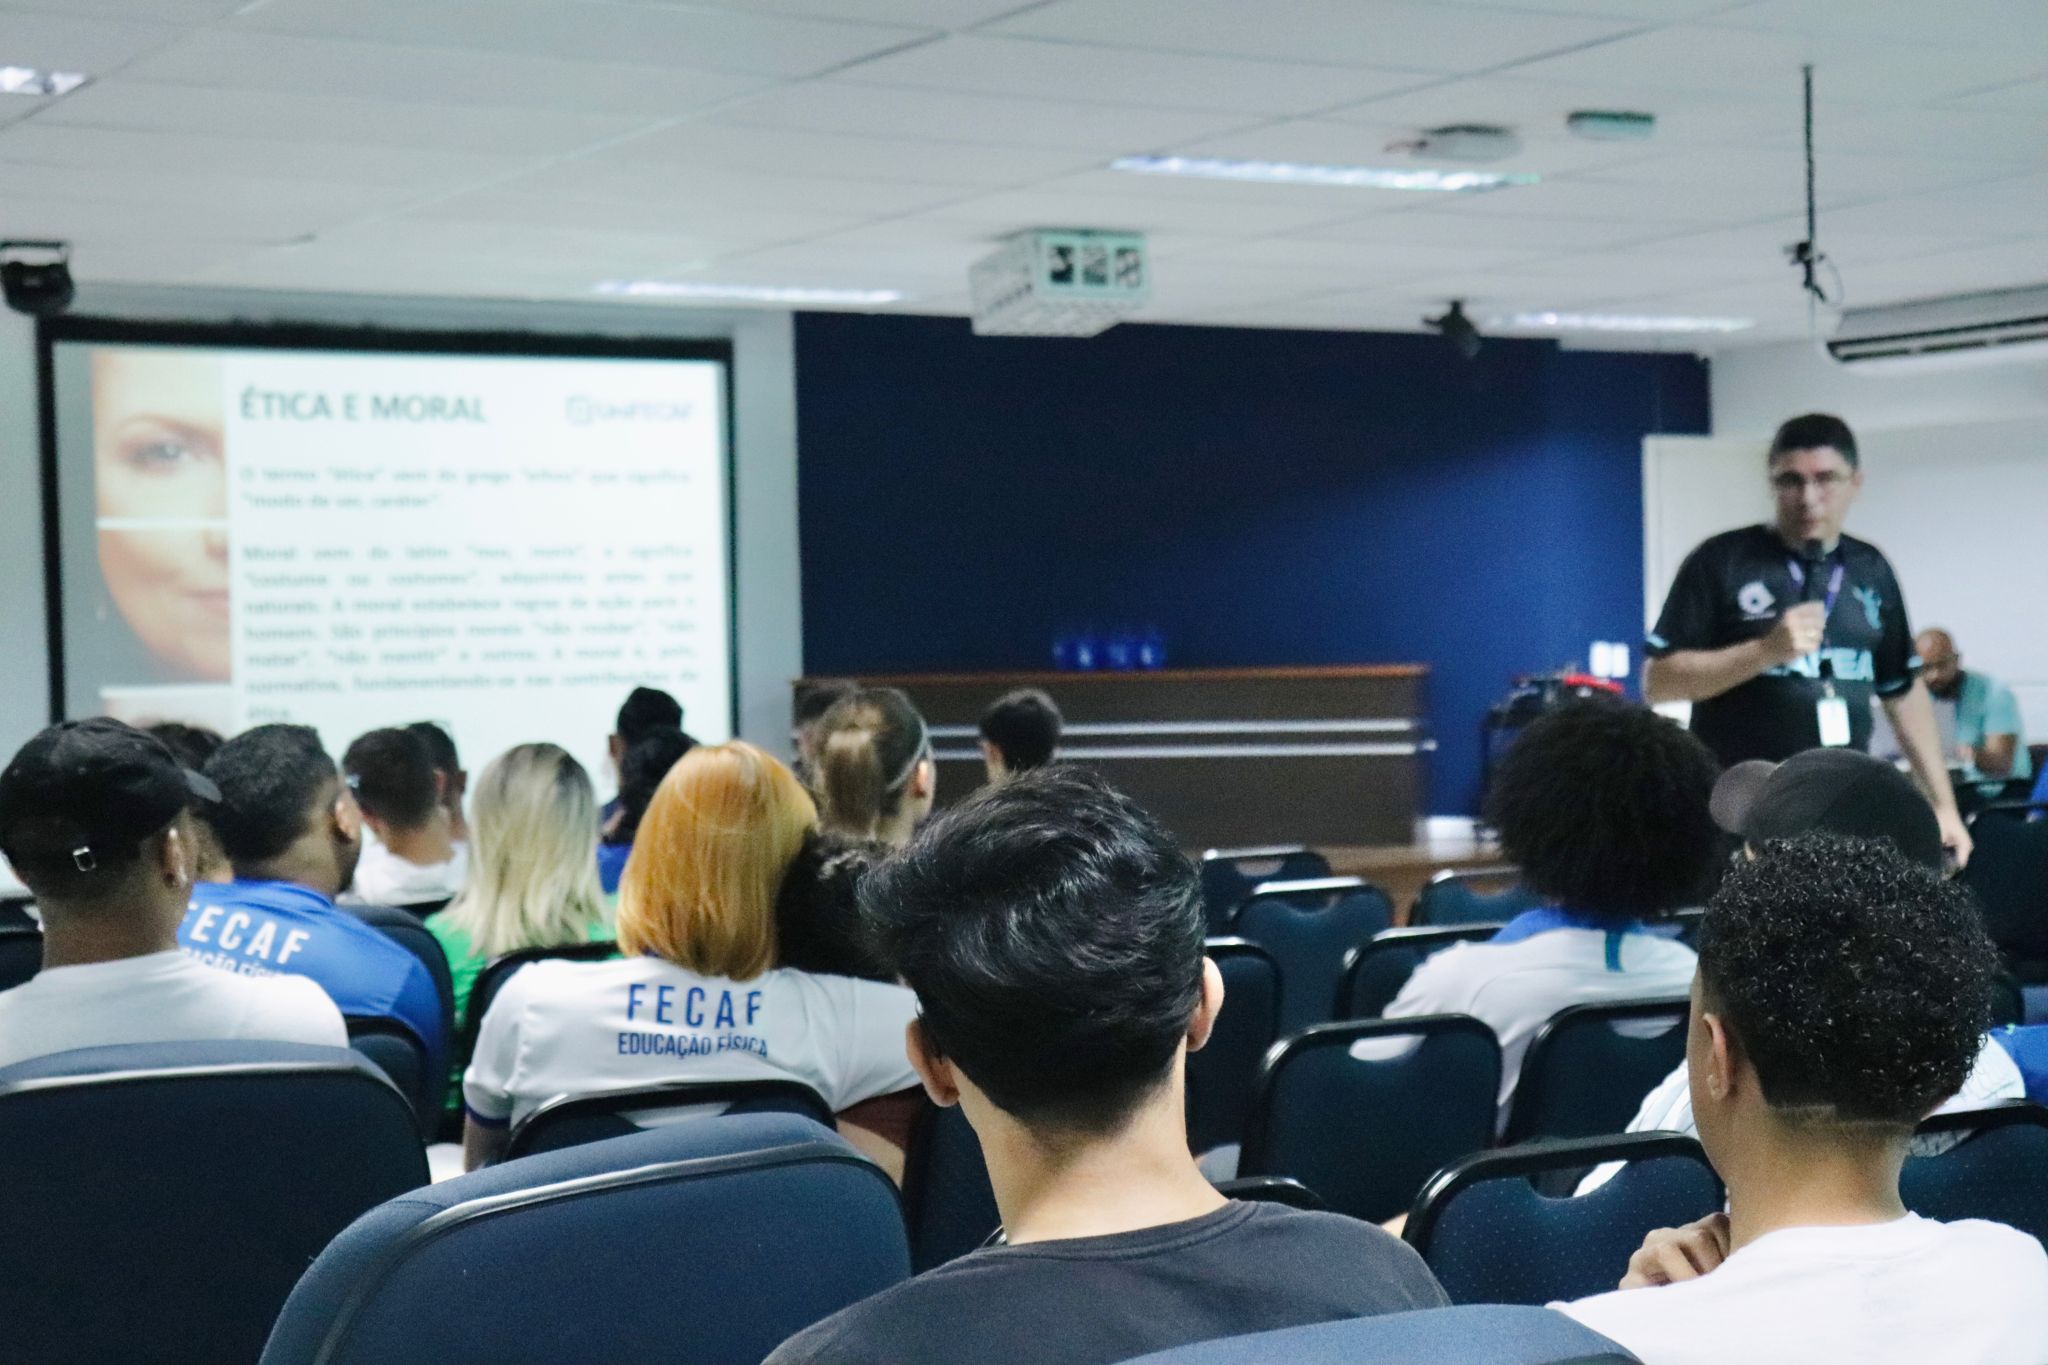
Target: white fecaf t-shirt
x=164, y=997
x=582, y=1028
x=1908, y=1292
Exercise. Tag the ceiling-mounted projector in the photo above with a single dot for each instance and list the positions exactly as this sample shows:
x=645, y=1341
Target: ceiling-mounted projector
x=1060, y=282
x=2006, y=324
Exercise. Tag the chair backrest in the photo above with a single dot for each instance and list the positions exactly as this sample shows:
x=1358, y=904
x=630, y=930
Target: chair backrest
x=572, y=1120
x=705, y=1242
x=1229, y=874
x=21, y=954
x=1458, y=898
x=406, y=930
x=1492, y=1238
x=1587, y=1070
x=1997, y=1171
x=1376, y=970
x=1490, y=1334
x=404, y=1061
x=161, y=1200
x=1271, y=1189
x=1309, y=927
x=948, y=1203
x=2009, y=872
x=1365, y=1132
x=498, y=971
x=1220, y=1075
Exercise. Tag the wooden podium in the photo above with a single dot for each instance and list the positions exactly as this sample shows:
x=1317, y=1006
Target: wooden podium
x=1224, y=757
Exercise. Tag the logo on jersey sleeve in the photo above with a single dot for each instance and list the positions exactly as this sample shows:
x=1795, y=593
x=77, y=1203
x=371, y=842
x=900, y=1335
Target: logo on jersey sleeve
x=1755, y=599
x=1873, y=606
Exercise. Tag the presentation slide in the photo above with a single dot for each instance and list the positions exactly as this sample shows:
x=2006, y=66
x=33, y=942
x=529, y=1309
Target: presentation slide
x=506, y=544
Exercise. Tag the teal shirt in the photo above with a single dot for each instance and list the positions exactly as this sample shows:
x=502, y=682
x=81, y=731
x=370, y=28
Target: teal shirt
x=1986, y=706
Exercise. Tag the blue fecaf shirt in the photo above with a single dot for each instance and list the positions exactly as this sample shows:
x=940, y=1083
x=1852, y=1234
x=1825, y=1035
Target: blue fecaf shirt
x=268, y=928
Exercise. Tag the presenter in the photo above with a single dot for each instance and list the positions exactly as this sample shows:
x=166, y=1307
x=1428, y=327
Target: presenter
x=1780, y=635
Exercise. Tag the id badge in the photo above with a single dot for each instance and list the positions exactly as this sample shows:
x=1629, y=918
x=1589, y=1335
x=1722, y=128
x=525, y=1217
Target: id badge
x=1834, y=722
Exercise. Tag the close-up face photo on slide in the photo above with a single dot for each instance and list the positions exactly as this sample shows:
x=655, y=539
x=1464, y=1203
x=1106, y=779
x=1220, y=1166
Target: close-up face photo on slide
x=160, y=476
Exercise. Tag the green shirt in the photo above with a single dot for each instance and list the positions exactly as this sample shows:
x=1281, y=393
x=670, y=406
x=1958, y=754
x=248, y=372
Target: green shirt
x=1986, y=706
x=465, y=963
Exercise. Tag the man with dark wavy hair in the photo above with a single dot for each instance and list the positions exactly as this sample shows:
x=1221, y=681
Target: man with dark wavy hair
x=1841, y=996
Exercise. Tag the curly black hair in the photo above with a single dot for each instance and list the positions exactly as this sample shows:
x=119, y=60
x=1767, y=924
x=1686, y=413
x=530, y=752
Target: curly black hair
x=817, y=910
x=1603, y=804
x=1856, y=981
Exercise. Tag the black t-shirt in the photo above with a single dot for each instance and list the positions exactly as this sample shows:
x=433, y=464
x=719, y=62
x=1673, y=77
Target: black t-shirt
x=1244, y=1268
x=1733, y=587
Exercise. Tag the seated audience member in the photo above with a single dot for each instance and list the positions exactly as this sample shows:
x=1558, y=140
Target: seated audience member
x=1842, y=993
x=292, y=831
x=1052, y=932
x=448, y=767
x=1603, y=805
x=875, y=775
x=1019, y=731
x=817, y=910
x=410, y=858
x=640, y=773
x=645, y=710
x=1829, y=791
x=95, y=819
x=192, y=745
x=810, y=707
x=1990, y=743
x=698, y=995
x=532, y=873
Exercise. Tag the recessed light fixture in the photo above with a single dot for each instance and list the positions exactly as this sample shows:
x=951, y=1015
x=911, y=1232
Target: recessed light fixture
x=1300, y=173
x=26, y=80
x=1617, y=322
x=744, y=293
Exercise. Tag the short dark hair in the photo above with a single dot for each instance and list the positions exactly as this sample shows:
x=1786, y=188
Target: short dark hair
x=1604, y=806
x=391, y=771
x=1024, y=725
x=1811, y=432
x=270, y=780
x=1053, y=934
x=440, y=744
x=1856, y=981
x=646, y=709
x=192, y=744
x=641, y=771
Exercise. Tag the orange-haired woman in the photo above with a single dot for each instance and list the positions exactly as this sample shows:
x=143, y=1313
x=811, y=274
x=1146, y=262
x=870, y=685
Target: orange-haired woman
x=698, y=995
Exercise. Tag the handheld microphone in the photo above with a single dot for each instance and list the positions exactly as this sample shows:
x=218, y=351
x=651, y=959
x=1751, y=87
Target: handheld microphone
x=1815, y=561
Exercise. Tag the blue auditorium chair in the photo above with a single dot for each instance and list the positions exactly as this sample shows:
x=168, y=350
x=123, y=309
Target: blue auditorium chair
x=704, y=1242
x=1310, y=927
x=1220, y=1074
x=1365, y=1134
x=1997, y=1171
x=162, y=1199
x=1455, y=898
x=1271, y=1189
x=948, y=1203
x=1488, y=1335
x=1492, y=1238
x=1229, y=874
x=2008, y=870
x=404, y=1060
x=1586, y=1071
x=571, y=1120
x=1375, y=971
x=21, y=954
x=499, y=970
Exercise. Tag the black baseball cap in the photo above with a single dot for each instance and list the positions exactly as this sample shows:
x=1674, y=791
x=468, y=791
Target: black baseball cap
x=90, y=791
x=1836, y=791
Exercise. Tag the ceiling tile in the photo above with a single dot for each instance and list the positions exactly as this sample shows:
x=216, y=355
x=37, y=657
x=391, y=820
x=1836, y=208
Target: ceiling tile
x=1539, y=108
x=118, y=151
x=715, y=144
x=618, y=175
x=944, y=14
x=158, y=11
x=72, y=42
x=1329, y=142
x=703, y=225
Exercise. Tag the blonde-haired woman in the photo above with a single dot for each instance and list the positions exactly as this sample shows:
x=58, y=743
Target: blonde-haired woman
x=532, y=865
x=698, y=996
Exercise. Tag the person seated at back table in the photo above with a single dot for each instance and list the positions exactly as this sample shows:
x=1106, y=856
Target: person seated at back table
x=698, y=996
x=1842, y=993
x=1019, y=731
x=411, y=859
x=292, y=831
x=875, y=778
x=95, y=817
x=1052, y=932
x=1603, y=806
x=645, y=710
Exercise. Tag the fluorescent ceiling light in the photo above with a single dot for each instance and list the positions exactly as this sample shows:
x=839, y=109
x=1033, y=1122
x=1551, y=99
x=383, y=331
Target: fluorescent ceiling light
x=1298, y=173
x=744, y=293
x=26, y=80
x=1616, y=322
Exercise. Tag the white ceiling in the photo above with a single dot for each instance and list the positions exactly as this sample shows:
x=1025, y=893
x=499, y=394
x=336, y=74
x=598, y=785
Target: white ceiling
x=531, y=148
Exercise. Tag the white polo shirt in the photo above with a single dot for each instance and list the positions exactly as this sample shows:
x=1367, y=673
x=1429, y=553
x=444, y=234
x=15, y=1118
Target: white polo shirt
x=164, y=997
x=581, y=1028
x=1515, y=987
x=1908, y=1292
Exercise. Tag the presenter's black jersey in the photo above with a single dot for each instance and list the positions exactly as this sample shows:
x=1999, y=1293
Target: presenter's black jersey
x=1733, y=587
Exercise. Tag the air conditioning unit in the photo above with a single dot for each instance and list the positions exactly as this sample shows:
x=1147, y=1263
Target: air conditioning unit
x=2007, y=324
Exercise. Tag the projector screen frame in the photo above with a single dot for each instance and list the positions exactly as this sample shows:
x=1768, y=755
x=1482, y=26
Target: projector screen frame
x=373, y=339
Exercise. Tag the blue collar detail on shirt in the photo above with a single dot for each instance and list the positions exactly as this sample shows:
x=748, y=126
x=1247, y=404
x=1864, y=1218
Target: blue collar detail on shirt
x=1542, y=920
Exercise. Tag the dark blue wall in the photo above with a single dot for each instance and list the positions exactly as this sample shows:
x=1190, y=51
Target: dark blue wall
x=1262, y=497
